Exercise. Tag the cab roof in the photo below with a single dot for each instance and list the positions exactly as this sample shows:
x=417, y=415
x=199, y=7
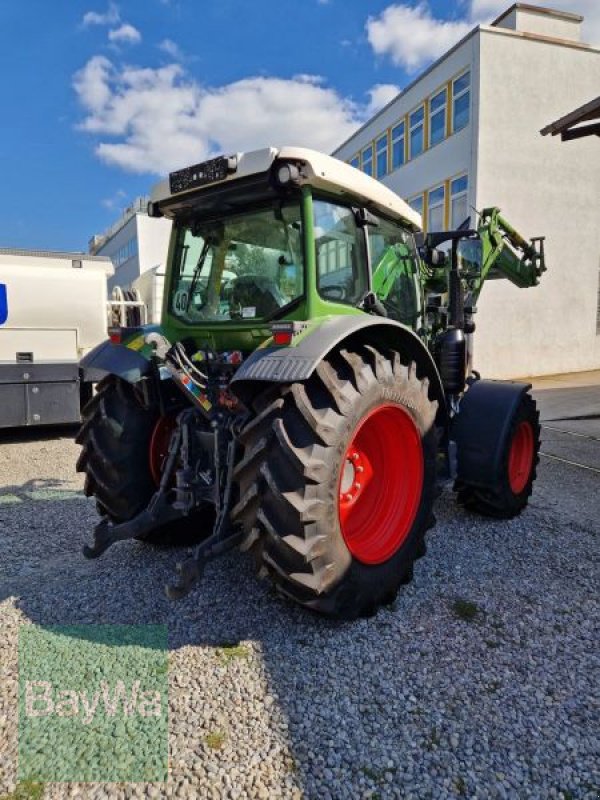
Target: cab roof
x=318, y=170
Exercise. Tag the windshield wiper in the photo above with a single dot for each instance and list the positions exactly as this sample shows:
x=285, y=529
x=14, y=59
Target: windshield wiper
x=197, y=271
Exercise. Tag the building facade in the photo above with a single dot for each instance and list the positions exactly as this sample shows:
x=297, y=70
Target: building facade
x=466, y=135
x=135, y=243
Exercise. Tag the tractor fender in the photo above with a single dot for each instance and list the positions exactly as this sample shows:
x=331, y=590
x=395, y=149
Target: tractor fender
x=114, y=359
x=297, y=363
x=480, y=428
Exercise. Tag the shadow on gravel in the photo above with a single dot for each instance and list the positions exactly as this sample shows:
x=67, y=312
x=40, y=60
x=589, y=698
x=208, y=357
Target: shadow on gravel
x=37, y=489
x=37, y=433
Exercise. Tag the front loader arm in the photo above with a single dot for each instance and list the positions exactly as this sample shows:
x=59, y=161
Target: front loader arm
x=505, y=253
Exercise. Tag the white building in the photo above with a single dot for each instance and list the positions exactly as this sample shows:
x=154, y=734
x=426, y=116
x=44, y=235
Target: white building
x=135, y=243
x=466, y=134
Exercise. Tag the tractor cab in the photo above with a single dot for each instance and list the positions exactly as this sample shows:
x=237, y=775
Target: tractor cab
x=283, y=234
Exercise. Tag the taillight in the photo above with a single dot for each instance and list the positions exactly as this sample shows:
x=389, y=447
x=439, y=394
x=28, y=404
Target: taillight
x=114, y=334
x=282, y=337
x=284, y=332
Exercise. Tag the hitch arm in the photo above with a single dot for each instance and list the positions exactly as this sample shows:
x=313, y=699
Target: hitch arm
x=107, y=533
x=220, y=541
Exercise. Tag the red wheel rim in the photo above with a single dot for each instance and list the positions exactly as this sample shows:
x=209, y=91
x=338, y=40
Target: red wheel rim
x=380, y=485
x=159, y=446
x=520, y=459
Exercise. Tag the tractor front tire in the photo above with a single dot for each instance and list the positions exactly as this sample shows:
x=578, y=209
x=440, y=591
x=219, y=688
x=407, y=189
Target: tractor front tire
x=337, y=482
x=116, y=438
x=517, y=468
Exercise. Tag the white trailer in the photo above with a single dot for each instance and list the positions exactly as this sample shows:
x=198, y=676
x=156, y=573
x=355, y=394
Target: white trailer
x=52, y=312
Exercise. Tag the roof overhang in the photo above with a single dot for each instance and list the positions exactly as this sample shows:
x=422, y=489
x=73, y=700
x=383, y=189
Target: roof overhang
x=570, y=126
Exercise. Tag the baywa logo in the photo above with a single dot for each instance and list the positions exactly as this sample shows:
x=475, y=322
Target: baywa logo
x=42, y=699
x=93, y=703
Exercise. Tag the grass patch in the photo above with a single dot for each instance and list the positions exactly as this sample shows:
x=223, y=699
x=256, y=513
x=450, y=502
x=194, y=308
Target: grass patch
x=370, y=773
x=434, y=738
x=26, y=790
x=229, y=651
x=215, y=740
x=465, y=609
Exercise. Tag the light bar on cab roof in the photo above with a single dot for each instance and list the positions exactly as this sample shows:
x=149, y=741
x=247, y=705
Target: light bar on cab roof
x=216, y=169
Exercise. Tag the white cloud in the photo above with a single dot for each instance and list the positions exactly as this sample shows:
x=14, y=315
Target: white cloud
x=172, y=49
x=92, y=83
x=485, y=11
x=155, y=120
x=412, y=37
x=110, y=17
x=125, y=34
x=381, y=94
x=116, y=201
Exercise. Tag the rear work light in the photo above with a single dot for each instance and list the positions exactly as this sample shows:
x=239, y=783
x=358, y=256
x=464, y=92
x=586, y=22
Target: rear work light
x=284, y=332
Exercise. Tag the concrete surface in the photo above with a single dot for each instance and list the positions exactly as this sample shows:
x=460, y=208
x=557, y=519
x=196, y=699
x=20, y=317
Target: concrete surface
x=570, y=416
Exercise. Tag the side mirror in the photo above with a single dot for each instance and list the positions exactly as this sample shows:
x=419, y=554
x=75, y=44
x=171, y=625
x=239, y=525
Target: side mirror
x=433, y=257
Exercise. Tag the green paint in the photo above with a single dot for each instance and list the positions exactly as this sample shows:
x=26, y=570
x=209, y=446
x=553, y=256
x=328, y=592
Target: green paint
x=7, y=499
x=93, y=703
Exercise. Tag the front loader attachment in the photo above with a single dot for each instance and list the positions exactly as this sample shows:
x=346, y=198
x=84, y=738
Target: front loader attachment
x=507, y=254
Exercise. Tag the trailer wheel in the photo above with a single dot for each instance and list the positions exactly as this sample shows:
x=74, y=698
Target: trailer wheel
x=517, y=470
x=337, y=482
x=123, y=445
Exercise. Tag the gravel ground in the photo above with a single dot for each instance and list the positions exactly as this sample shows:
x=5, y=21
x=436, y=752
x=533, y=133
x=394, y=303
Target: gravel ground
x=481, y=682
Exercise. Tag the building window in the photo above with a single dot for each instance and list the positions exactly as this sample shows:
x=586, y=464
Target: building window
x=398, y=145
x=367, y=160
x=459, y=209
x=437, y=118
x=416, y=203
x=381, y=147
x=416, y=131
x=461, y=91
x=355, y=162
x=126, y=252
x=435, y=220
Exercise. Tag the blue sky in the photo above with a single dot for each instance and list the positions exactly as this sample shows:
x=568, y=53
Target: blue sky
x=101, y=98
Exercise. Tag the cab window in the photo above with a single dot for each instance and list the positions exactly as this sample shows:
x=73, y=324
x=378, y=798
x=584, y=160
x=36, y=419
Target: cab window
x=340, y=254
x=394, y=266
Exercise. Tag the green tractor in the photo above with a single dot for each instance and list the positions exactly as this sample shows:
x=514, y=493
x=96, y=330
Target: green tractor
x=311, y=382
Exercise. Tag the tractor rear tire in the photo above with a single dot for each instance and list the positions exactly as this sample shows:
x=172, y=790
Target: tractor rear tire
x=115, y=439
x=517, y=471
x=337, y=482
